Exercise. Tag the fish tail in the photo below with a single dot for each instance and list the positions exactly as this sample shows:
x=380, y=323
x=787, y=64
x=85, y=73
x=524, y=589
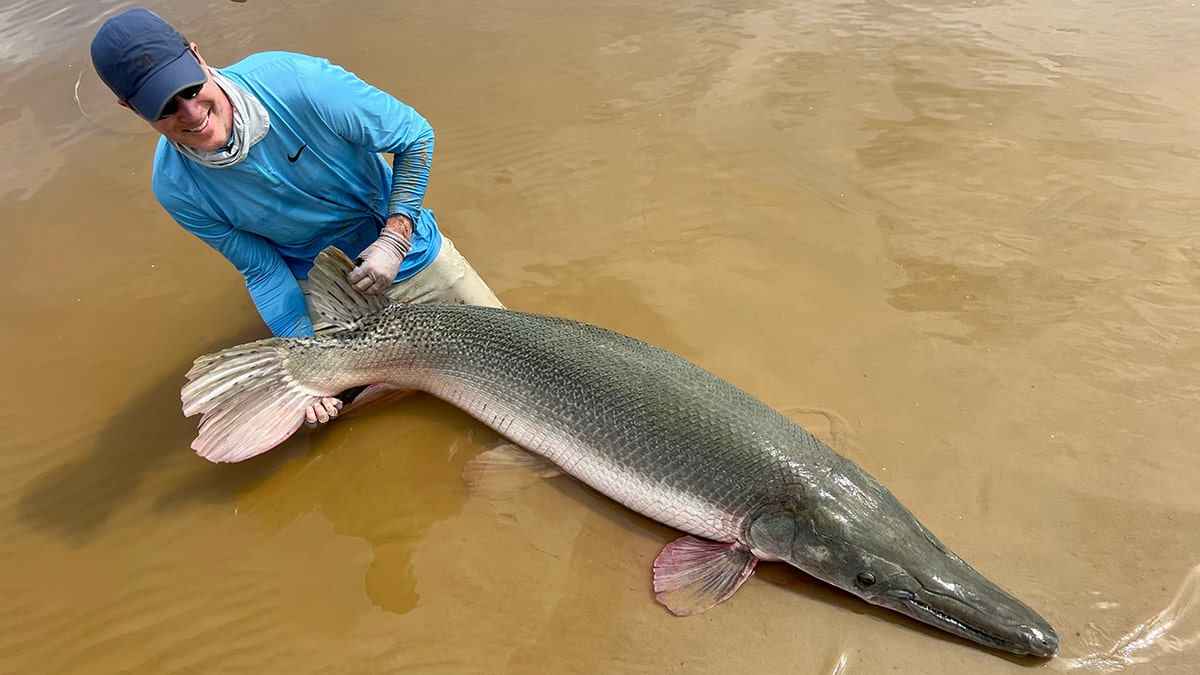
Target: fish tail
x=248, y=400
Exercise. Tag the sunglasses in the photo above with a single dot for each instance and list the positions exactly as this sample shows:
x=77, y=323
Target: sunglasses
x=172, y=106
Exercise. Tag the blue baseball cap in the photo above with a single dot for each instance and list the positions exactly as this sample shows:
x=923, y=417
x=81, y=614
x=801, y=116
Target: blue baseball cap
x=144, y=61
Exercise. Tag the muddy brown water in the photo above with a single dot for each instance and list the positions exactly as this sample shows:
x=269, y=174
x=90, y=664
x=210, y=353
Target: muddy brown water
x=958, y=239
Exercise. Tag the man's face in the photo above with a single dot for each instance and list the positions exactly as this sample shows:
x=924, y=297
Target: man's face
x=204, y=122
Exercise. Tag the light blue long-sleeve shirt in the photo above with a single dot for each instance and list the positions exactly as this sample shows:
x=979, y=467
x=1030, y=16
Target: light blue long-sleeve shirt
x=316, y=179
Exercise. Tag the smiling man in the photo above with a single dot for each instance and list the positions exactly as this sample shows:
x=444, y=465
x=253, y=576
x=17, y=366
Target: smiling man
x=276, y=157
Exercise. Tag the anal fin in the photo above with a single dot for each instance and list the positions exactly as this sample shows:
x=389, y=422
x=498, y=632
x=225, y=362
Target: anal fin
x=692, y=575
x=371, y=398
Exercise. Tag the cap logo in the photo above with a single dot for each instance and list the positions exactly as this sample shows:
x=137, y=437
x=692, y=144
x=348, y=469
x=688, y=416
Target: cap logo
x=143, y=62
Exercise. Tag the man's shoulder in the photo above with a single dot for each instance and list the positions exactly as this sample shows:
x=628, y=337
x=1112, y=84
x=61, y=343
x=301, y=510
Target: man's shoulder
x=287, y=83
x=271, y=65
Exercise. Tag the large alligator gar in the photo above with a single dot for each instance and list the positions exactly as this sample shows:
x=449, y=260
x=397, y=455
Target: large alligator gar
x=643, y=426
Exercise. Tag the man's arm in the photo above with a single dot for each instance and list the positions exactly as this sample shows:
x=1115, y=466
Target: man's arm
x=272, y=287
x=379, y=122
x=410, y=171
x=375, y=120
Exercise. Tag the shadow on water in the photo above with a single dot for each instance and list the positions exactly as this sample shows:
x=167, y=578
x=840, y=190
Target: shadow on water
x=76, y=499
x=145, y=439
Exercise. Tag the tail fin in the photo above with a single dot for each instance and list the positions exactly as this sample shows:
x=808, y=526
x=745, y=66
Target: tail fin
x=249, y=401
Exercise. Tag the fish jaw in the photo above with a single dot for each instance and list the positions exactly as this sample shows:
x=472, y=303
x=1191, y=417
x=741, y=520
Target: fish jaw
x=1007, y=624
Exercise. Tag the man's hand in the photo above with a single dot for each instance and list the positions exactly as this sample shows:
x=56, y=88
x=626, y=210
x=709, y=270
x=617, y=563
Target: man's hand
x=322, y=411
x=379, y=262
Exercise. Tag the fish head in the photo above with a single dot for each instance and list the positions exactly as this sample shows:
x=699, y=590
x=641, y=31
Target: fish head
x=851, y=532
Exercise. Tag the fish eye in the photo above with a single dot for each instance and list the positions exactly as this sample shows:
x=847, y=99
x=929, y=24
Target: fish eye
x=866, y=579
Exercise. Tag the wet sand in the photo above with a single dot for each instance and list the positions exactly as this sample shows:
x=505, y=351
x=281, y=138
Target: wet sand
x=966, y=232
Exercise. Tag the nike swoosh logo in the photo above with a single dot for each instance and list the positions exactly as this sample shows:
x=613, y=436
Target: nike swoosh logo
x=293, y=158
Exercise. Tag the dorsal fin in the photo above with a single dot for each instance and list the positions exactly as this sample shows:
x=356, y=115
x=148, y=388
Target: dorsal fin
x=332, y=297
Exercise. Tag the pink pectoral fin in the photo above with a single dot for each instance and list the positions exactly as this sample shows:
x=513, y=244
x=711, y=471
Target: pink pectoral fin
x=692, y=575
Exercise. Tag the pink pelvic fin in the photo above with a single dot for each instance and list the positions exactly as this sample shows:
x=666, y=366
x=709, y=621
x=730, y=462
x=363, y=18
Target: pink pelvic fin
x=692, y=575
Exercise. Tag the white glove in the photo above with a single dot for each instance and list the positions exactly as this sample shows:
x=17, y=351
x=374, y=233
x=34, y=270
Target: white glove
x=379, y=263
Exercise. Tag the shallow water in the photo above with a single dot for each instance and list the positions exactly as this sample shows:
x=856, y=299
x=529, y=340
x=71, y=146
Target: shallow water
x=965, y=231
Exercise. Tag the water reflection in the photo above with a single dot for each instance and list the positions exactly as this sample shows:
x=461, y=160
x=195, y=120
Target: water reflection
x=1173, y=630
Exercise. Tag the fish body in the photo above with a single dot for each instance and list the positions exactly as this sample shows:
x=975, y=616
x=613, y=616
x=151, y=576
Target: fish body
x=645, y=427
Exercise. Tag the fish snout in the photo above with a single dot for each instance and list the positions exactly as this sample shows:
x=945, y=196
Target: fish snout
x=1040, y=642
